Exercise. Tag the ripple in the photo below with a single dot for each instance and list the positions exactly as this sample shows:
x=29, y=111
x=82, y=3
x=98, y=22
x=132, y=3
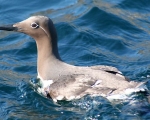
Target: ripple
x=90, y=32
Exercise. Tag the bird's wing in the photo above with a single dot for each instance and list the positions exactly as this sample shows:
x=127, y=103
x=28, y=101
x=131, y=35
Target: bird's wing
x=106, y=68
x=76, y=86
x=110, y=69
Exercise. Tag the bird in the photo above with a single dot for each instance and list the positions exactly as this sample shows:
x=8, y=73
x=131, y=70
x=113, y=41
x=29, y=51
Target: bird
x=62, y=81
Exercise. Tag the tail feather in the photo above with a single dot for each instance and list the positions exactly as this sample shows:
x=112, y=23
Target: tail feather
x=139, y=88
x=142, y=84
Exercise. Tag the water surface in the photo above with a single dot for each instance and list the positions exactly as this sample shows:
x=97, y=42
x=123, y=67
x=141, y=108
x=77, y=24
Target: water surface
x=90, y=32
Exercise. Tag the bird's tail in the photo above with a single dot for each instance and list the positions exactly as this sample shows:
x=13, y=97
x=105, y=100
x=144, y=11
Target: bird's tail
x=139, y=88
x=142, y=87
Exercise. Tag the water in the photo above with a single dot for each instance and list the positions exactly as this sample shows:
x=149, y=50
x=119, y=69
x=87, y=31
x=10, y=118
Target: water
x=90, y=32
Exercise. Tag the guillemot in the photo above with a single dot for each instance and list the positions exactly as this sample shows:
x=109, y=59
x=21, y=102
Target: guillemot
x=62, y=81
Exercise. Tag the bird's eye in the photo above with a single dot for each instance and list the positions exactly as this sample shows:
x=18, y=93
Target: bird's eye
x=34, y=25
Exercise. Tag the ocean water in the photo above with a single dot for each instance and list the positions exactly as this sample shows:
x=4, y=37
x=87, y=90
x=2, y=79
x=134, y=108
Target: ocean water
x=90, y=32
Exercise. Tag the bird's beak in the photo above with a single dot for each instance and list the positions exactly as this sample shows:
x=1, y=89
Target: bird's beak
x=9, y=28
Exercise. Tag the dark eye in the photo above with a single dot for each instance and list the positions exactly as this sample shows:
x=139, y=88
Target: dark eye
x=34, y=25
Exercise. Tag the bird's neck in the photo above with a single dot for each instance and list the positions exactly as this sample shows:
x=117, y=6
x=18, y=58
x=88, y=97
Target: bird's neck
x=47, y=54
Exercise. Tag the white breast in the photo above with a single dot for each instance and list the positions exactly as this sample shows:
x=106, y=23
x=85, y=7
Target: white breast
x=44, y=85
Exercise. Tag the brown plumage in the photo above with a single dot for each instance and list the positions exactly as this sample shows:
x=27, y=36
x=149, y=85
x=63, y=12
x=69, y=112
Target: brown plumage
x=61, y=80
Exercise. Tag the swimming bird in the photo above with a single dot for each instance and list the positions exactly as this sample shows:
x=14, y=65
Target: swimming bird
x=62, y=81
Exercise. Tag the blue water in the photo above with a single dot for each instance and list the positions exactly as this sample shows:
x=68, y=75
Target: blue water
x=90, y=32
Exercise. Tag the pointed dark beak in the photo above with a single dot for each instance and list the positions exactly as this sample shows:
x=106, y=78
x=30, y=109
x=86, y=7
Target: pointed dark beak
x=8, y=28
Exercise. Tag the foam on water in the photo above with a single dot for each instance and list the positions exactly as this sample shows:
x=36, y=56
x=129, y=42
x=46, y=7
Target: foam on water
x=90, y=32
